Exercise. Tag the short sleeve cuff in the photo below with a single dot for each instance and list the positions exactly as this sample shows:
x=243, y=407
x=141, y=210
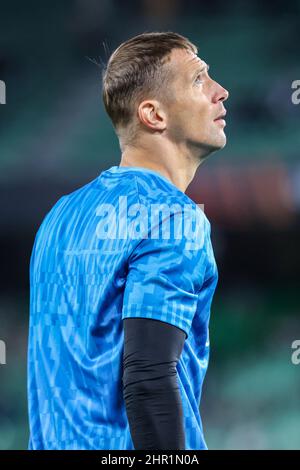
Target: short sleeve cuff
x=177, y=315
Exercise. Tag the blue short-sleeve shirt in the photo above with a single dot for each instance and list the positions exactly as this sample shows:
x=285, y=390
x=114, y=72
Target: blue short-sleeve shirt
x=128, y=244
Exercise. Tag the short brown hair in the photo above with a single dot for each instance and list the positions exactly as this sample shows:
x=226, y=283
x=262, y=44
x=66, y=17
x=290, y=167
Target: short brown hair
x=138, y=68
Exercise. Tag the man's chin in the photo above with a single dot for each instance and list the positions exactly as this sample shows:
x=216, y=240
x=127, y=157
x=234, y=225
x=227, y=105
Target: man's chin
x=209, y=148
x=218, y=144
x=224, y=141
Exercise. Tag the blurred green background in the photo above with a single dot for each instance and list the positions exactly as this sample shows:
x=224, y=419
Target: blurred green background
x=55, y=137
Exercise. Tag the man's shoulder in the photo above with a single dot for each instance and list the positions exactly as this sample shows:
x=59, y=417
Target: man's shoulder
x=153, y=188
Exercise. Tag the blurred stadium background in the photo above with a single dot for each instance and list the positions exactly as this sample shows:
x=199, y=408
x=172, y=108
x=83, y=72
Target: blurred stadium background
x=55, y=137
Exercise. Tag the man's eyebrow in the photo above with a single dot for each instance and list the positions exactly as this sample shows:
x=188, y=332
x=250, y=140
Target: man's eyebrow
x=201, y=69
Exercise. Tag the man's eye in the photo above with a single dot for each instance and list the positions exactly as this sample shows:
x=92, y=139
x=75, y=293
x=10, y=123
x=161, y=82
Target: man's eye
x=198, y=79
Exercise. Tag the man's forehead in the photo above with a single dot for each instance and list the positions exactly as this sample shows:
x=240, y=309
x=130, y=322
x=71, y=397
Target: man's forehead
x=187, y=60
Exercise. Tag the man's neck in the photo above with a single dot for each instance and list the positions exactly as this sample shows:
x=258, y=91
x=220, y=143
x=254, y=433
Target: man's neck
x=179, y=173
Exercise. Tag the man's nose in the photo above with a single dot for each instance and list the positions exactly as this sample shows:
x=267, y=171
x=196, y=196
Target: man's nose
x=221, y=94
x=225, y=94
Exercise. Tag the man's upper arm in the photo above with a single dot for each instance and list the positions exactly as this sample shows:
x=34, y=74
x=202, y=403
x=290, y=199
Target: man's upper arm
x=163, y=280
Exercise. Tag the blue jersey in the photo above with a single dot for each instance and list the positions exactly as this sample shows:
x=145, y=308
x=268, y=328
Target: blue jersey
x=128, y=244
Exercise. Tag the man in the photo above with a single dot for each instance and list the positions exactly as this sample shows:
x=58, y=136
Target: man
x=119, y=311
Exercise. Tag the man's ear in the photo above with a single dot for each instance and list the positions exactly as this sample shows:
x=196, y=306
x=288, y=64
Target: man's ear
x=152, y=115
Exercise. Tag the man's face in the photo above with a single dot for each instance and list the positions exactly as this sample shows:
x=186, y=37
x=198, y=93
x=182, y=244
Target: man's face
x=196, y=104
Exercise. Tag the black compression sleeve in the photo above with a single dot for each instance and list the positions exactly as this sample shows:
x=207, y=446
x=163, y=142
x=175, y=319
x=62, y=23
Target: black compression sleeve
x=151, y=392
